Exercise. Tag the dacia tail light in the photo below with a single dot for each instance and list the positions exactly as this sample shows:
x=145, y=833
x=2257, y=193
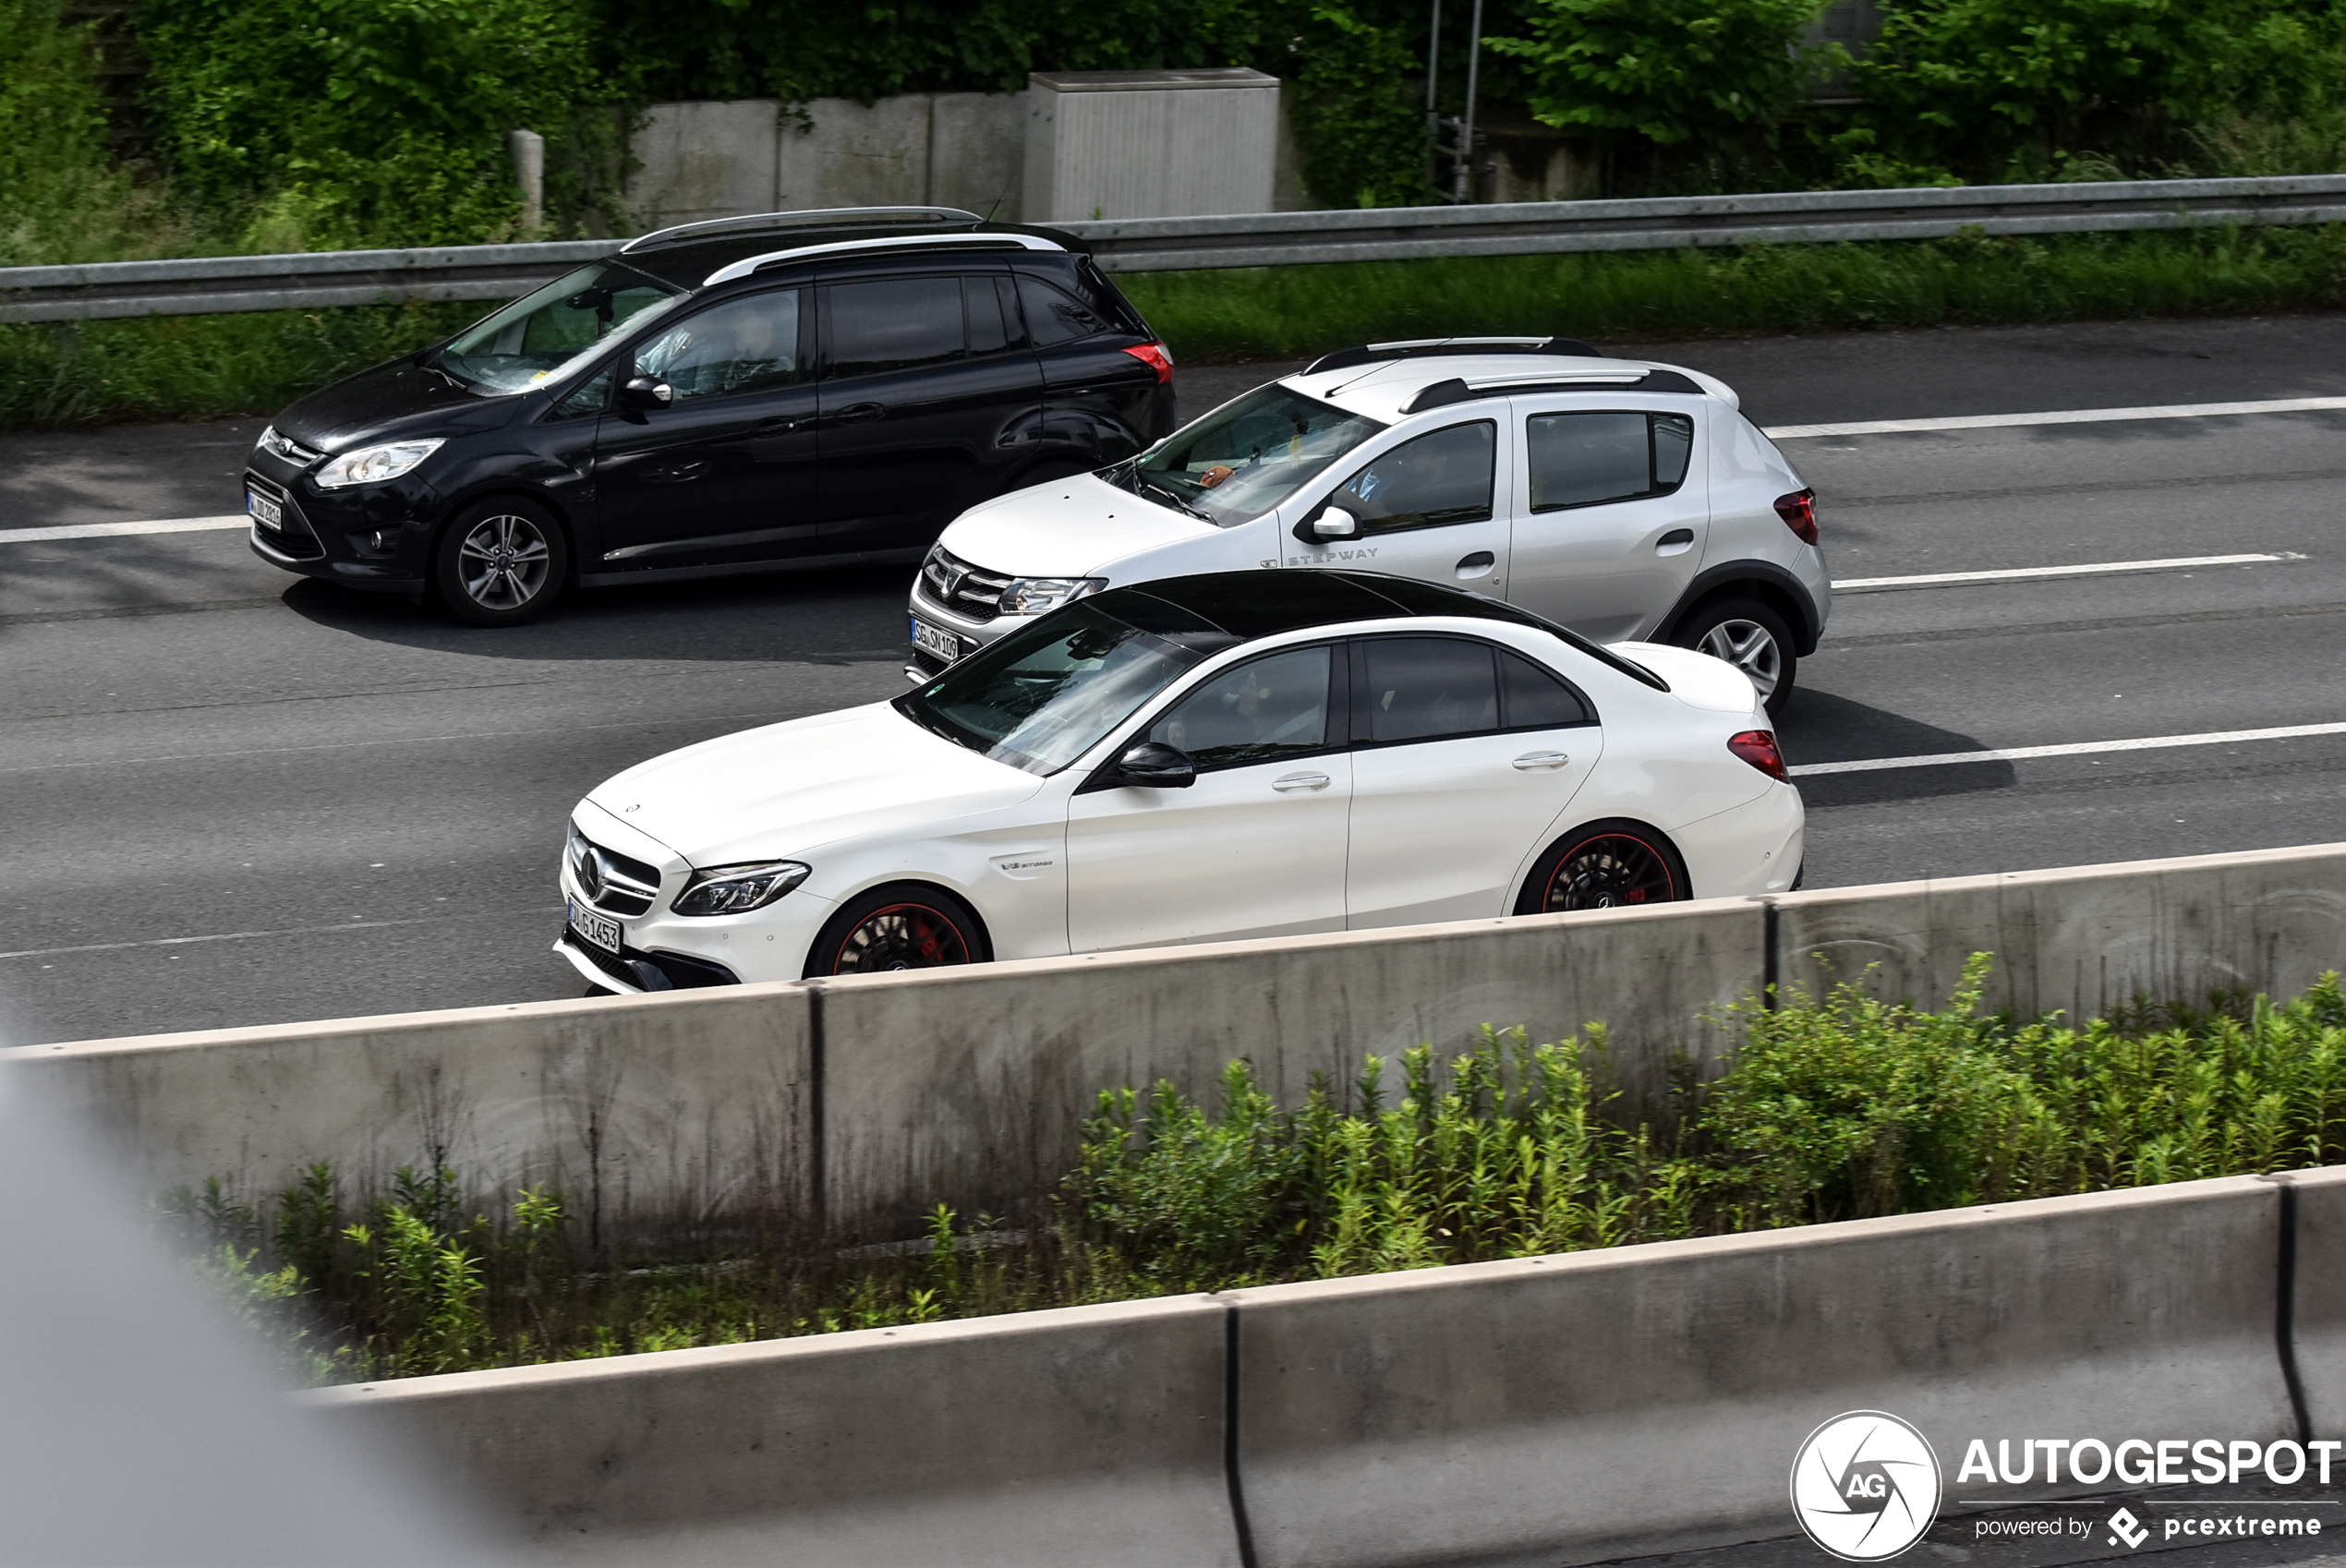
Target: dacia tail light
x=1798, y=511
x=1757, y=747
x=1158, y=358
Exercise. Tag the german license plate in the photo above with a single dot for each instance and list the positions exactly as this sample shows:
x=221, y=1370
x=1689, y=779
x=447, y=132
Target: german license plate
x=264, y=510
x=936, y=640
x=596, y=927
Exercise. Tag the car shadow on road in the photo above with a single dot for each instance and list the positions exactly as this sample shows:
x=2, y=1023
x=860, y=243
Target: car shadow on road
x=843, y=615
x=1822, y=726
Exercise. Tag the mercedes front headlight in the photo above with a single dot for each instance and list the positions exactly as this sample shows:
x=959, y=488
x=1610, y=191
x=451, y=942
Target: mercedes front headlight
x=1033, y=596
x=372, y=464
x=737, y=890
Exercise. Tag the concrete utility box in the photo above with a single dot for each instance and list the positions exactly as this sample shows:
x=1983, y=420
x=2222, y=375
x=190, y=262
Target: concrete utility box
x=1149, y=144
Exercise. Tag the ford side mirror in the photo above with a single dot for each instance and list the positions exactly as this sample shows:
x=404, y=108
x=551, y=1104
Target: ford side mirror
x=1331, y=523
x=1152, y=765
x=642, y=393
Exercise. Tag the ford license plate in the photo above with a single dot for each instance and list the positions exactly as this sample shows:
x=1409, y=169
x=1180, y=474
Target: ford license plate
x=264, y=510
x=936, y=640
x=596, y=927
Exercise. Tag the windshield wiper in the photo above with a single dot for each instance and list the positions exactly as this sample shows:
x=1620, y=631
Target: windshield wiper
x=1145, y=488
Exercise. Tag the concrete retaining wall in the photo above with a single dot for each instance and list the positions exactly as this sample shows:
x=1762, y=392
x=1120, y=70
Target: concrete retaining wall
x=1557, y=1410
x=860, y=1103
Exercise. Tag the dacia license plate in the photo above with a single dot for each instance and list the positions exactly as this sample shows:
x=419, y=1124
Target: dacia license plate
x=936, y=640
x=264, y=510
x=596, y=926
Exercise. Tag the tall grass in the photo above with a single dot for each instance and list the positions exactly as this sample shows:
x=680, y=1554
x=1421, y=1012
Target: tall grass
x=1839, y=1108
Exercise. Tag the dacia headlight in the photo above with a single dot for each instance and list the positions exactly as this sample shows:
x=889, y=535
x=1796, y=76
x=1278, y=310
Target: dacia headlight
x=373, y=465
x=1033, y=596
x=737, y=890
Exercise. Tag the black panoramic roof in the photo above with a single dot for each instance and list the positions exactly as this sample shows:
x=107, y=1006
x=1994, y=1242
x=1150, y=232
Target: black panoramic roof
x=687, y=260
x=1250, y=605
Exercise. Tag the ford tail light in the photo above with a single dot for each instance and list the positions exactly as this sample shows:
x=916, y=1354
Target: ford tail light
x=1799, y=510
x=1157, y=358
x=1757, y=747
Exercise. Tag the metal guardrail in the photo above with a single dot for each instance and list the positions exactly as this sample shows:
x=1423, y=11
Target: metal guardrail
x=210, y=285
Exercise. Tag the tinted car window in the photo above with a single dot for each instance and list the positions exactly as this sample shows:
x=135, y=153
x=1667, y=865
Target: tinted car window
x=1531, y=698
x=1263, y=709
x=1420, y=687
x=895, y=324
x=743, y=345
x=1584, y=458
x=984, y=308
x=1436, y=479
x=587, y=397
x=1054, y=316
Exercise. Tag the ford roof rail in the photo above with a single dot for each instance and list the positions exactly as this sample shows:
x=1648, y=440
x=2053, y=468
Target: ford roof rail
x=1418, y=348
x=992, y=239
x=815, y=218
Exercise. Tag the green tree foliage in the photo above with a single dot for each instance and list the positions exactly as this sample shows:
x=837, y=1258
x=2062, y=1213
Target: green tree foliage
x=1712, y=78
x=1354, y=117
x=351, y=122
x=52, y=128
x=1990, y=90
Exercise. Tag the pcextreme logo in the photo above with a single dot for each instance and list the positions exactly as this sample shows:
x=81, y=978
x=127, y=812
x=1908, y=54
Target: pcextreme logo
x=1864, y=1486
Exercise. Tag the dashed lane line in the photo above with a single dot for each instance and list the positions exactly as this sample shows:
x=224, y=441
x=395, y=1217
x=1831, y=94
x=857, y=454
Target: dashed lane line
x=2071, y=749
x=2028, y=573
x=115, y=530
x=2055, y=417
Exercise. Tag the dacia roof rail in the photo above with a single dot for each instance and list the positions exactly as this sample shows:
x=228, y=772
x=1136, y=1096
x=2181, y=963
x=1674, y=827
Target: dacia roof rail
x=816, y=218
x=1441, y=394
x=1418, y=348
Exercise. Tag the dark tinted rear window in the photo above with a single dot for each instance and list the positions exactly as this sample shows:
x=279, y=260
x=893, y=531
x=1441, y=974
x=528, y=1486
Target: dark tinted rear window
x=1531, y=698
x=1424, y=687
x=1054, y=316
x=894, y=324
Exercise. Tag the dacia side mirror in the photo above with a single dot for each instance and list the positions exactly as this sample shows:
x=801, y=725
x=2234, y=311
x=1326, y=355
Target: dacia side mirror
x=1152, y=765
x=1331, y=523
x=644, y=392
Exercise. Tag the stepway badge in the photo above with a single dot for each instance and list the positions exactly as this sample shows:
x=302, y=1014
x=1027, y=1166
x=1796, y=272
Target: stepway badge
x=1864, y=1486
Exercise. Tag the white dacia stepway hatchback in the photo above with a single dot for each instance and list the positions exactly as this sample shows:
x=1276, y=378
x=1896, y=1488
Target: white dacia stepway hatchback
x=1623, y=500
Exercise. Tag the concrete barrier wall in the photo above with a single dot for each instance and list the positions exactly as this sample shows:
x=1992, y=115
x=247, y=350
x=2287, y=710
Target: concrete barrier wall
x=1555, y=1410
x=862, y=1102
x=1079, y=1436
x=1602, y=1404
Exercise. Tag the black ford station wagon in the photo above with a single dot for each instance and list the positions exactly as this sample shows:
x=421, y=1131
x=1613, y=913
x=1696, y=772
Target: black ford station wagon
x=806, y=388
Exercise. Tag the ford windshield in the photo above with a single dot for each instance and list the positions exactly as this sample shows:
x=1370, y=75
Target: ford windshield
x=541, y=336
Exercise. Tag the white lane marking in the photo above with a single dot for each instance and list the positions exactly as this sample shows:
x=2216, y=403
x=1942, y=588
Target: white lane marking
x=294, y=931
x=2071, y=749
x=2023, y=573
x=2055, y=417
x=114, y=530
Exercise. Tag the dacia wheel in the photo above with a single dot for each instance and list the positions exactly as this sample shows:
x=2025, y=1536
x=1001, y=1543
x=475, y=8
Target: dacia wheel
x=500, y=562
x=1750, y=637
x=902, y=925
x=1605, y=865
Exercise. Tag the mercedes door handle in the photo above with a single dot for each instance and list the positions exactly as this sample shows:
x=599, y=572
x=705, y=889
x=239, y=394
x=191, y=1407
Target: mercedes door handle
x=1293, y=781
x=861, y=413
x=1537, y=762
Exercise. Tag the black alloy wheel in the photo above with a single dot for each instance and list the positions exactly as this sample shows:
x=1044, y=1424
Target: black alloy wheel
x=1750, y=637
x=1604, y=866
x=901, y=928
x=500, y=562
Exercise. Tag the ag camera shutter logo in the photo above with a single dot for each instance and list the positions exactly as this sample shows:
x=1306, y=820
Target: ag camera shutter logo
x=1864, y=1486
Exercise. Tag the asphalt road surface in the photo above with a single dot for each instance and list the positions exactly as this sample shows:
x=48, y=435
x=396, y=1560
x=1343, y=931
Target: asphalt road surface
x=234, y=797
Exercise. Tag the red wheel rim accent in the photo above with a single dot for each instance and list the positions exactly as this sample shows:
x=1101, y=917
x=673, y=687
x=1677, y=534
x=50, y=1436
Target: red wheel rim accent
x=1610, y=870
x=899, y=937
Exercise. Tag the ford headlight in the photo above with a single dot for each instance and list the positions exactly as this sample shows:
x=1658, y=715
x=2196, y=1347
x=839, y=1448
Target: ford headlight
x=1033, y=596
x=736, y=889
x=372, y=464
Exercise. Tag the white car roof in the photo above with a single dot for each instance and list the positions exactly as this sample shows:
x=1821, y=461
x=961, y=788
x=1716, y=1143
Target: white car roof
x=1382, y=390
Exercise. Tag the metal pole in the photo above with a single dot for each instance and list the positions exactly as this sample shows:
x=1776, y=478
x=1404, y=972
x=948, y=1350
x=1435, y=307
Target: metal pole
x=1462, y=171
x=1433, y=108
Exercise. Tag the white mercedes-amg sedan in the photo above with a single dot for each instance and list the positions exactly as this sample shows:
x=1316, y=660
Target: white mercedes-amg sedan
x=1238, y=755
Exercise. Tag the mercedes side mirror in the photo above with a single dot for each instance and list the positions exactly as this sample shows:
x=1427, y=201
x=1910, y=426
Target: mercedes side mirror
x=642, y=393
x=1152, y=765
x=1333, y=523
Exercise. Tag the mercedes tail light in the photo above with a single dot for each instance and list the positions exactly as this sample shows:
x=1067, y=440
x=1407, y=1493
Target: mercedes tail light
x=1757, y=747
x=1158, y=358
x=1798, y=511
